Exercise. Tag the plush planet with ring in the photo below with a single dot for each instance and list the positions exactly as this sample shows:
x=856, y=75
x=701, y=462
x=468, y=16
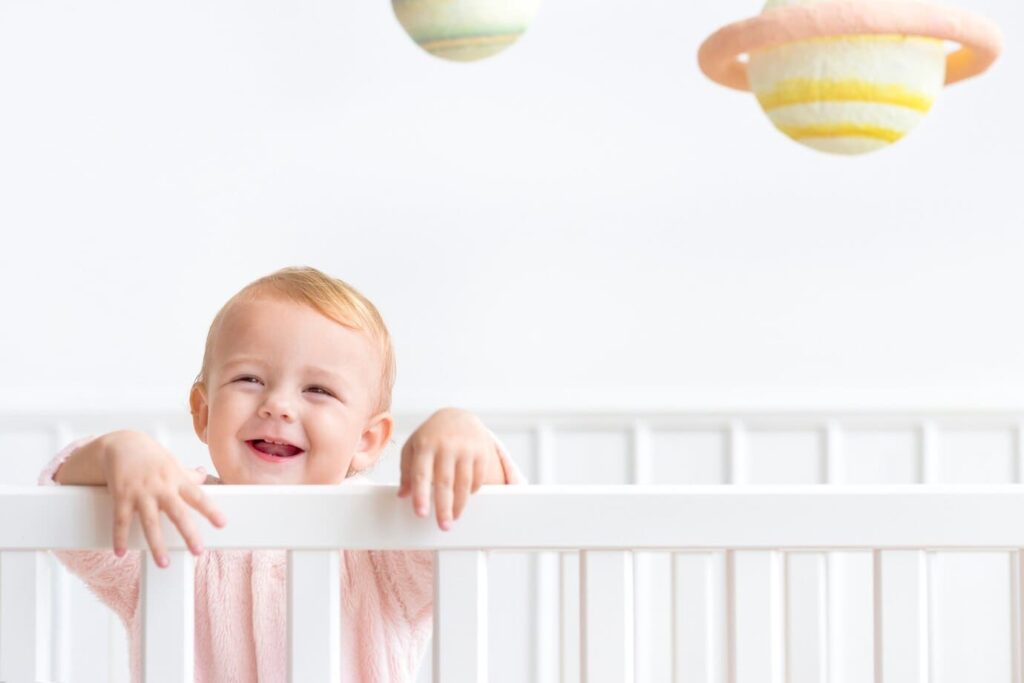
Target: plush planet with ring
x=849, y=76
x=464, y=30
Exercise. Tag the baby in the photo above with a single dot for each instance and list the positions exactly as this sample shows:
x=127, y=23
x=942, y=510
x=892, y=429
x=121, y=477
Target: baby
x=295, y=388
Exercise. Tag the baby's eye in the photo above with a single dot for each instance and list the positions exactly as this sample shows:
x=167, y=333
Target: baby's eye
x=323, y=391
x=247, y=377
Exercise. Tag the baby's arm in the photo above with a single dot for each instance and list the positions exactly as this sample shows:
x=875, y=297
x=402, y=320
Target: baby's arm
x=144, y=478
x=114, y=580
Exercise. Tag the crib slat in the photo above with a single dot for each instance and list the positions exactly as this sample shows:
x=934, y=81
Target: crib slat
x=60, y=639
x=545, y=616
x=851, y=619
x=806, y=613
x=901, y=614
x=757, y=617
x=698, y=627
x=314, y=616
x=460, y=616
x=642, y=574
x=1016, y=595
x=606, y=616
x=25, y=617
x=167, y=601
x=569, y=615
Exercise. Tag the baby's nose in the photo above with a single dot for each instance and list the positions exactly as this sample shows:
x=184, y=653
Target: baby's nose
x=276, y=408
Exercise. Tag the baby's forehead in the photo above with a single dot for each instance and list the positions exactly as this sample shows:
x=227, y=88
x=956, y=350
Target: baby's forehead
x=261, y=305
x=247, y=331
x=251, y=320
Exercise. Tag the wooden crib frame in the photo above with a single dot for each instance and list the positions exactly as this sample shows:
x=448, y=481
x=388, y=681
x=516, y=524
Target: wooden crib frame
x=755, y=526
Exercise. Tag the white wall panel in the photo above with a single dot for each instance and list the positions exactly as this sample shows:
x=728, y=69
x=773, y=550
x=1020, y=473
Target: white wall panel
x=592, y=457
x=880, y=455
x=784, y=457
x=688, y=456
x=976, y=456
x=22, y=455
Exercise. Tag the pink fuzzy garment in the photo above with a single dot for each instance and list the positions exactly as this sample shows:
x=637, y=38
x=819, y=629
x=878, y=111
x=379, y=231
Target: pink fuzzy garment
x=241, y=602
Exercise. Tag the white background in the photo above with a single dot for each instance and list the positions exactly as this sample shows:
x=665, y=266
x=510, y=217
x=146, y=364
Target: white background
x=584, y=215
x=583, y=221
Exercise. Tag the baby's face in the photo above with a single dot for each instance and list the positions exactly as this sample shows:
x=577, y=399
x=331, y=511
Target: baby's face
x=282, y=371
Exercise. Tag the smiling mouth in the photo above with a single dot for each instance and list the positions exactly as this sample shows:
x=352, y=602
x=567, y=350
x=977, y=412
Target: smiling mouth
x=273, y=452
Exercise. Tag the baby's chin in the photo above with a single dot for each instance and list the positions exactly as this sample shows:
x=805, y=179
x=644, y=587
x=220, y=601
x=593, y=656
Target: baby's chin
x=284, y=478
x=267, y=479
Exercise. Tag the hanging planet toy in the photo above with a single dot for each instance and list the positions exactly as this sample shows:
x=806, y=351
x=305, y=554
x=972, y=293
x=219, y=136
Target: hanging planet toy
x=464, y=30
x=849, y=76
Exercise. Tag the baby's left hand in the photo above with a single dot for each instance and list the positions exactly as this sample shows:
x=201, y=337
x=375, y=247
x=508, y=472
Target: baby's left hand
x=454, y=451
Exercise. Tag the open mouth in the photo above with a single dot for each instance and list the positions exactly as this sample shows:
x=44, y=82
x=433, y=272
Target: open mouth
x=273, y=452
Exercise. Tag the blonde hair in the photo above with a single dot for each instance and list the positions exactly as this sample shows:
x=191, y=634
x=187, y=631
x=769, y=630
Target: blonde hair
x=331, y=297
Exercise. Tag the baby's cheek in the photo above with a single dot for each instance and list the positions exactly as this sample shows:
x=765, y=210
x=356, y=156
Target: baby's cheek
x=228, y=460
x=321, y=470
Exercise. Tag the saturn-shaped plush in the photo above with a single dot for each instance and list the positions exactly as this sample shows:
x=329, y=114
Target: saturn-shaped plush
x=464, y=30
x=849, y=76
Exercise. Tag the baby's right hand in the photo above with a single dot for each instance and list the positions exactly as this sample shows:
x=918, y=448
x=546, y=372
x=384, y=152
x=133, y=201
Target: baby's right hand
x=145, y=477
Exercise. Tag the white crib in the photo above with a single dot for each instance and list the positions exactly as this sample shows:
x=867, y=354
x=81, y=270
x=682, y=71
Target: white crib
x=719, y=564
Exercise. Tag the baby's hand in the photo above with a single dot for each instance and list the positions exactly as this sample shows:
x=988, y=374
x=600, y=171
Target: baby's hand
x=144, y=477
x=454, y=450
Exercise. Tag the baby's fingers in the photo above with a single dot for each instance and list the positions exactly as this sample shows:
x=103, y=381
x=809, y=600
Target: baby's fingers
x=179, y=515
x=194, y=496
x=149, y=515
x=404, y=485
x=422, y=470
x=479, y=474
x=122, y=523
x=463, y=484
x=444, y=480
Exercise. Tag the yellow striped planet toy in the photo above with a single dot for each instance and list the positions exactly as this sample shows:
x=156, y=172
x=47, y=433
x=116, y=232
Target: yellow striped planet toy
x=464, y=30
x=849, y=76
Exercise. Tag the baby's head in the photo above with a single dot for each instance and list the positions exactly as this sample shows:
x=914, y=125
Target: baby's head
x=296, y=357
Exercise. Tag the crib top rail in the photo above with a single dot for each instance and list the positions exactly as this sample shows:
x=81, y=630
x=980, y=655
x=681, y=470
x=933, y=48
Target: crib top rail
x=692, y=517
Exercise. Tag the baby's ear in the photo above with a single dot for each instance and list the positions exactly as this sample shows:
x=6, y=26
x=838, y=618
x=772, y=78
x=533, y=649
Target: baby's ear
x=200, y=410
x=375, y=437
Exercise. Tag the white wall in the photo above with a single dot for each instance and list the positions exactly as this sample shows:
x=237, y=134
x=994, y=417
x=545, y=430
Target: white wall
x=585, y=215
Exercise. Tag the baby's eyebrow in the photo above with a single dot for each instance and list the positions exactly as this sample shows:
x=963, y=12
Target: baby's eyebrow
x=309, y=368
x=320, y=371
x=242, y=361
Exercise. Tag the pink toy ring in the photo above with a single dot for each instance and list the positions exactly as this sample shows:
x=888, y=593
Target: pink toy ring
x=980, y=39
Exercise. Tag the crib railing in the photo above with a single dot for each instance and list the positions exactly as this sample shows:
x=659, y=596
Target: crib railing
x=606, y=523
